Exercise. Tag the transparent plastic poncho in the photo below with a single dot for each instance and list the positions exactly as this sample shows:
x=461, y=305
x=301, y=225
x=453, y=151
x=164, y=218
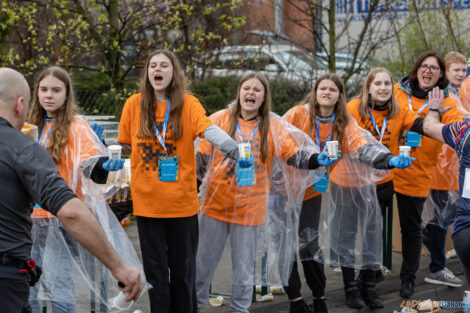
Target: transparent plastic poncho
x=442, y=201
x=267, y=211
x=350, y=231
x=70, y=274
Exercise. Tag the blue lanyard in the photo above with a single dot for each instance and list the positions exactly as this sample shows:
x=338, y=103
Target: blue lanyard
x=42, y=133
x=420, y=109
x=161, y=139
x=384, y=125
x=317, y=132
x=239, y=132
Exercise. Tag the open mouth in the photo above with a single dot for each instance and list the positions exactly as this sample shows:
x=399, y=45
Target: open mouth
x=250, y=100
x=427, y=79
x=158, y=78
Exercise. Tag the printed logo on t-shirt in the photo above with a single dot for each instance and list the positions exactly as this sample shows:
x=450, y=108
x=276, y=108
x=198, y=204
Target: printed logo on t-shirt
x=151, y=148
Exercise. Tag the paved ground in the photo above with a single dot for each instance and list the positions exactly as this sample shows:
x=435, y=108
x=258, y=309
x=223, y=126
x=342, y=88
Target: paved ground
x=387, y=290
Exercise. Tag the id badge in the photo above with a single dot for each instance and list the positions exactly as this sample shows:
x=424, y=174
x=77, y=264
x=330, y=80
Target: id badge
x=246, y=176
x=168, y=169
x=413, y=139
x=321, y=184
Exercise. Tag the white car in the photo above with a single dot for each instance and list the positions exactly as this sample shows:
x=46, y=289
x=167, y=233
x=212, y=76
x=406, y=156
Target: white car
x=274, y=61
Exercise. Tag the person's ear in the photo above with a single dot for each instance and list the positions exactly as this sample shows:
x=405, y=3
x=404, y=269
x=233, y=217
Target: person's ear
x=19, y=106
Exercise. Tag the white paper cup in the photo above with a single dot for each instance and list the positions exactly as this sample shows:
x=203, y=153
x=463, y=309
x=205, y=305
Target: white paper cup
x=216, y=301
x=114, y=151
x=120, y=301
x=244, y=148
x=405, y=150
x=332, y=147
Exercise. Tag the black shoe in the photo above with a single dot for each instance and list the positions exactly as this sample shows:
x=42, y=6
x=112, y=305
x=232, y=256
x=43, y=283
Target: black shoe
x=370, y=296
x=319, y=306
x=426, y=241
x=407, y=289
x=353, y=296
x=299, y=307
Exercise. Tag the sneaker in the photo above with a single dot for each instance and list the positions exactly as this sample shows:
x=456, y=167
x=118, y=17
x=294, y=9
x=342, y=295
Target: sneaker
x=426, y=241
x=444, y=277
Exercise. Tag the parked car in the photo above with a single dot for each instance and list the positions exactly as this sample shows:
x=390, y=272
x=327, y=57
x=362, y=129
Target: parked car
x=343, y=62
x=274, y=61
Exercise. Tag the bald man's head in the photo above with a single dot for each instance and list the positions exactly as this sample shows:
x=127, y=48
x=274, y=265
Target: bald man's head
x=14, y=96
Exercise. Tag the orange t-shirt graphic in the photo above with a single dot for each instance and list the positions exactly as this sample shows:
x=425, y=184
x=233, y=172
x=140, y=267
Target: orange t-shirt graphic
x=151, y=197
x=222, y=198
x=415, y=180
x=403, y=120
x=79, y=148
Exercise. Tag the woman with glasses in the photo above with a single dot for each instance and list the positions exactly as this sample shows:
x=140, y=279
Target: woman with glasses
x=412, y=185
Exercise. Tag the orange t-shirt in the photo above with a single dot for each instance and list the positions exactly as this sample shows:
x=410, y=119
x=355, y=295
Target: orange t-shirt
x=151, y=197
x=71, y=158
x=403, y=120
x=415, y=180
x=223, y=199
x=465, y=94
x=446, y=172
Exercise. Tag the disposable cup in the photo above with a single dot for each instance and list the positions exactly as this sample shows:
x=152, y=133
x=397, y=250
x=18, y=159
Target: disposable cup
x=216, y=301
x=114, y=151
x=405, y=150
x=244, y=148
x=332, y=147
x=120, y=301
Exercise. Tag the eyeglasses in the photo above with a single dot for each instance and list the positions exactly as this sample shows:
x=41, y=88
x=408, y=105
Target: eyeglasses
x=431, y=68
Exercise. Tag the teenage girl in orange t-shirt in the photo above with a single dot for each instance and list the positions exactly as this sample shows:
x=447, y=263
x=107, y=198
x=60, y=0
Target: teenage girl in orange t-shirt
x=80, y=157
x=158, y=128
x=323, y=115
x=238, y=208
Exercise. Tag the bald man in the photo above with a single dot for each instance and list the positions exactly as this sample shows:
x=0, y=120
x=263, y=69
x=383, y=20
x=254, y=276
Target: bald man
x=27, y=176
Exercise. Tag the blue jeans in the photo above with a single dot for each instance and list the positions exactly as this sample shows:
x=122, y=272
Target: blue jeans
x=444, y=214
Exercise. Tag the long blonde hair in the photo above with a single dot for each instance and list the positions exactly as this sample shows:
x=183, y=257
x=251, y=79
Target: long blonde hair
x=62, y=117
x=342, y=116
x=263, y=111
x=175, y=91
x=364, y=96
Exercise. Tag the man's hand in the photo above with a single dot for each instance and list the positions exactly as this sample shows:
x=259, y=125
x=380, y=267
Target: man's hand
x=130, y=277
x=436, y=100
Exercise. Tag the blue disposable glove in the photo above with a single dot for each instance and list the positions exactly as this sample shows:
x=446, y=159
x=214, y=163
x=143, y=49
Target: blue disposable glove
x=324, y=160
x=113, y=165
x=98, y=129
x=244, y=162
x=401, y=161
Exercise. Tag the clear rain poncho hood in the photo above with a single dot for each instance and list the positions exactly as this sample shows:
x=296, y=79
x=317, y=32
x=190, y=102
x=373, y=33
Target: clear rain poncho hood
x=71, y=273
x=350, y=232
x=257, y=206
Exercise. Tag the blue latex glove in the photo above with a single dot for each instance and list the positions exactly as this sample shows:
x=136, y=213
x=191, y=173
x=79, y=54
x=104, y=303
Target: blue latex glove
x=324, y=160
x=98, y=129
x=113, y=165
x=244, y=162
x=401, y=161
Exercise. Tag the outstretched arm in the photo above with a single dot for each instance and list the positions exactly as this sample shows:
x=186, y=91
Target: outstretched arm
x=432, y=123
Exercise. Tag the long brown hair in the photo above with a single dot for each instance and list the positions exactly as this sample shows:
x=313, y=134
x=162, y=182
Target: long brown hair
x=175, y=91
x=62, y=117
x=364, y=95
x=263, y=111
x=342, y=116
x=443, y=82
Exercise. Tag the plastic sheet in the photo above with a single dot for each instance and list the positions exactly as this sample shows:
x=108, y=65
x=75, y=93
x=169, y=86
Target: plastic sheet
x=350, y=232
x=261, y=220
x=441, y=204
x=69, y=271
